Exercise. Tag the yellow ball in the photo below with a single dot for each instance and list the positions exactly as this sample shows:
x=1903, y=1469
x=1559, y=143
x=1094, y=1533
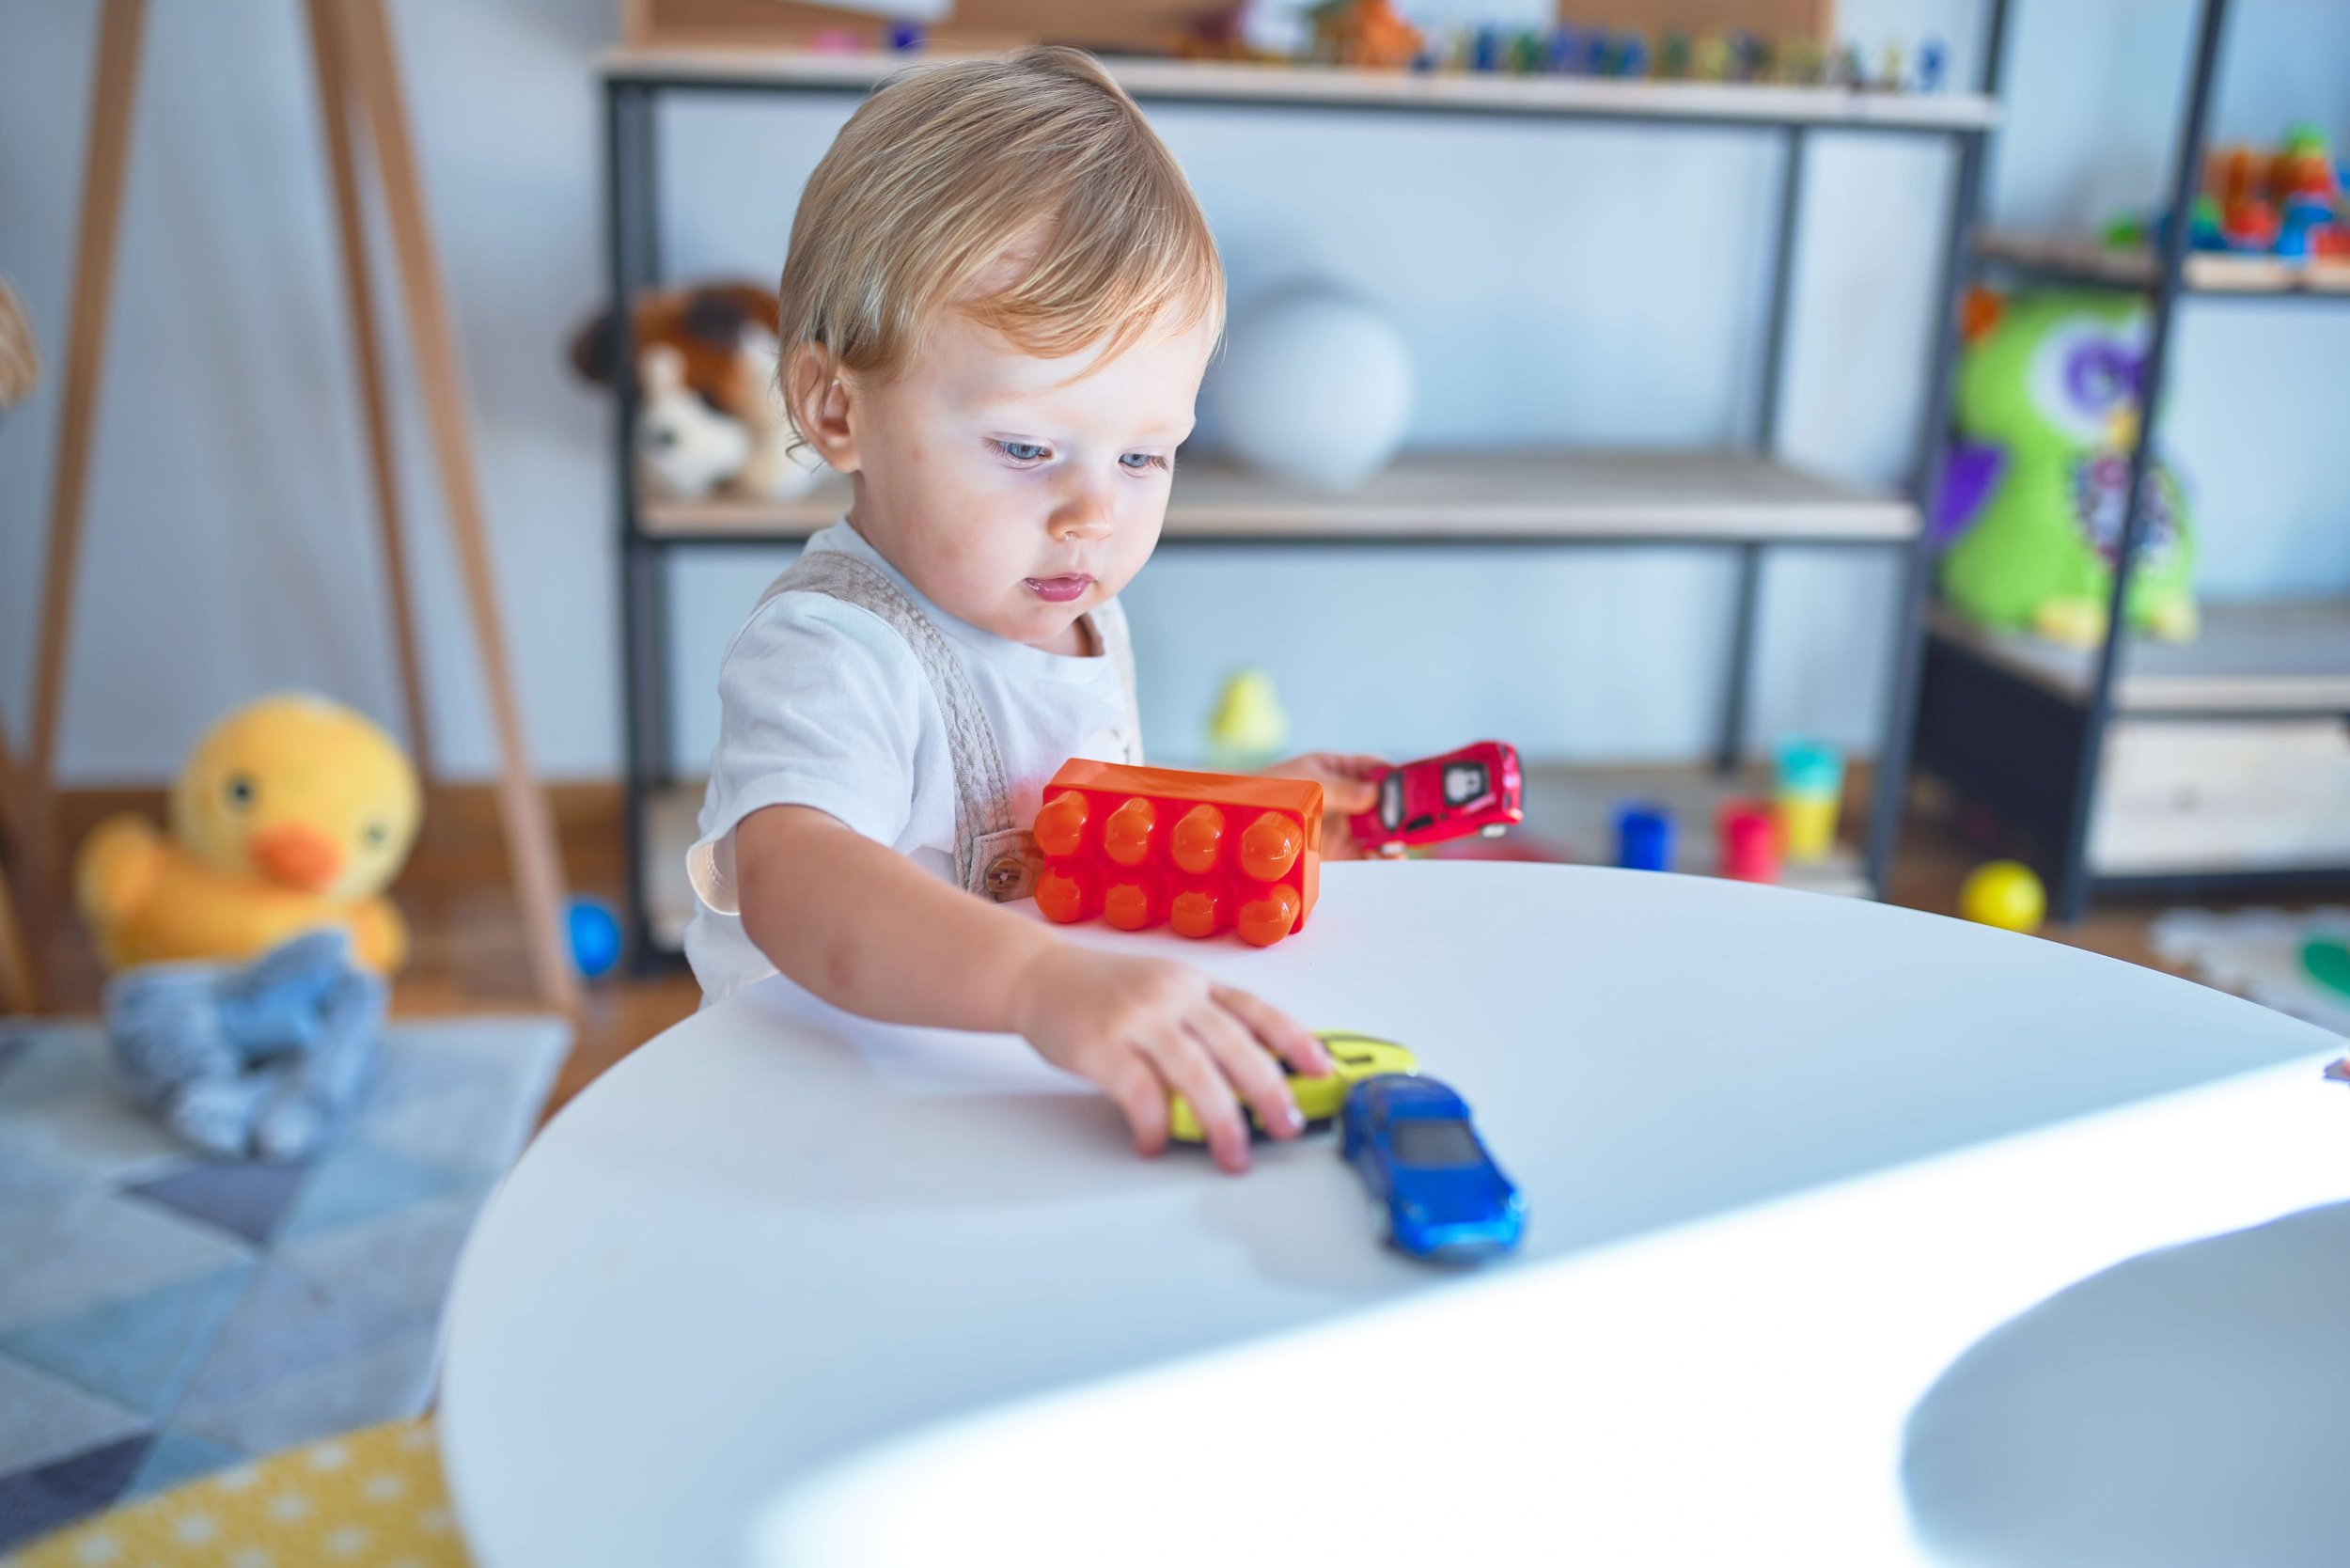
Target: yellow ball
x=2003, y=893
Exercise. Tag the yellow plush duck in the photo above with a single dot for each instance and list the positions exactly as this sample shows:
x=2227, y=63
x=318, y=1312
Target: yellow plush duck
x=292, y=813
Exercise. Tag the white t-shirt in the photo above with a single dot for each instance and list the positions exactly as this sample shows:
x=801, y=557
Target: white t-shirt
x=821, y=703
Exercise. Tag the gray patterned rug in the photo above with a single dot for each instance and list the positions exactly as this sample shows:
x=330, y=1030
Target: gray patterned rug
x=2258, y=954
x=162, y=1314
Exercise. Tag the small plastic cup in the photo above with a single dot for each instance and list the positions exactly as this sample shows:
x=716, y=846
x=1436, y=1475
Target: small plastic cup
x=1644, y=837
x=1808, y=798
x=1749, y=841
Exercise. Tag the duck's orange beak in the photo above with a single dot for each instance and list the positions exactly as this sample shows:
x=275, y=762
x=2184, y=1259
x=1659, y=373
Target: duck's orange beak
x=298, y=856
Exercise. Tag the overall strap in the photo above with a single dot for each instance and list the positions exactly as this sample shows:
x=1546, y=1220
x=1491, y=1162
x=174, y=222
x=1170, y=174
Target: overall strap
x=995, y=857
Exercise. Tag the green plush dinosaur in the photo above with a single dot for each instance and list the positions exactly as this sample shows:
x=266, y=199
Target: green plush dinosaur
x=2048, y=410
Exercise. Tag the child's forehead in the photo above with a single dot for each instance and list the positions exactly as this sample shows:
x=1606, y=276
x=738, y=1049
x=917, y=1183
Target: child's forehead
x=976, y=364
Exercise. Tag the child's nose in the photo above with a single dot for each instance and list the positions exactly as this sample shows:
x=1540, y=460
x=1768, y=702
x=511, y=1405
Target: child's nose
x=1081, y=515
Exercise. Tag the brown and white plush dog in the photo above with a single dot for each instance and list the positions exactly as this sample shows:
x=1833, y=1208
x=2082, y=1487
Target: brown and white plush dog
x=709, y=416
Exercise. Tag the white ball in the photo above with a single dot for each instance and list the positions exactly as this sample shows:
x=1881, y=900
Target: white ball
x=1315, y=386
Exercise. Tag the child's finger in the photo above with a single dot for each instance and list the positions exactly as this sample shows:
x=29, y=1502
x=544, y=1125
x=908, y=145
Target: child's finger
x=1282, y=1035
x=1184, y=1062
x=1354, y=785
x=1140, y=1097
x=1255, y=1073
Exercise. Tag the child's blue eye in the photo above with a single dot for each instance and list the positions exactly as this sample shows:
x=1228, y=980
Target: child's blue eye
x=1142, y=462
x=1023, y=451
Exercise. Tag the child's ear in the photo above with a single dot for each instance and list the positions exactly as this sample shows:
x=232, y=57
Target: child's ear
x=821, y=399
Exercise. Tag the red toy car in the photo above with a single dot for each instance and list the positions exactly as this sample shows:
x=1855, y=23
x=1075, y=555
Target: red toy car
x=1478, y=789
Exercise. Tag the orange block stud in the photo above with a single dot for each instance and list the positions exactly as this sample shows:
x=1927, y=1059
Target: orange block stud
x=1269, y=917
x=1140, y=845
x=1271, y=846
x=1135, y=902
x=1126, y=837
x=1060, y=826
x=1069, y=891
x=1199, y=840
x=1199, y=911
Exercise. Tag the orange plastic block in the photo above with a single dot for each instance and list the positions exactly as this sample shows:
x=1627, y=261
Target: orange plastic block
x=1205, y=852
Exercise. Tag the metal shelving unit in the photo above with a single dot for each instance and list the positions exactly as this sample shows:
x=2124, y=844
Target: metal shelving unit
x=2023, y=727
x=1744, y=500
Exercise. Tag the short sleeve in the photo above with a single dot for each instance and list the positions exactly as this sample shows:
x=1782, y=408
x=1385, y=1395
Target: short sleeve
x=820, y=704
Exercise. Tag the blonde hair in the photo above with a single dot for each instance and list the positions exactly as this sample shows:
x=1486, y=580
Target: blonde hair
x=946, y=168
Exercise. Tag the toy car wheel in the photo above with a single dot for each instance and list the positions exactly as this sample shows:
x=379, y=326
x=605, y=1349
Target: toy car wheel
x=1492, y=830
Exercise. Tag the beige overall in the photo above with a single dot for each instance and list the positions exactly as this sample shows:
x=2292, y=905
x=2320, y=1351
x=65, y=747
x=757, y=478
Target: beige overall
x=994, y=856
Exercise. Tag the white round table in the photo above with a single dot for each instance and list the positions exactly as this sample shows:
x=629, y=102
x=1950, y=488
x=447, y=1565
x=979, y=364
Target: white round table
x=785, y=1286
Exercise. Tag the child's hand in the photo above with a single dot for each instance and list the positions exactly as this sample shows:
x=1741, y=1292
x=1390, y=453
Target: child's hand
x=1349, y=786
x=1145, y=1027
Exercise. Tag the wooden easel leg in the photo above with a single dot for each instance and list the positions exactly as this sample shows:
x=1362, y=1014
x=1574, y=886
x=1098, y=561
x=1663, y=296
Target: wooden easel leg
x=363, y=43
x=20, y=983
x=115, y=91
x=11, y=796
x=336, y=106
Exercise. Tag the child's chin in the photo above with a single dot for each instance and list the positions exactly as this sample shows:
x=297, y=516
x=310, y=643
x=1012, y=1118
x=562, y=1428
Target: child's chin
x=1023, y=619
x=1044, y=624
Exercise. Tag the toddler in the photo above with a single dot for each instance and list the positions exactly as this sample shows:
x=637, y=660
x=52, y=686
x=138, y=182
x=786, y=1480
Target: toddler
x=998, y=302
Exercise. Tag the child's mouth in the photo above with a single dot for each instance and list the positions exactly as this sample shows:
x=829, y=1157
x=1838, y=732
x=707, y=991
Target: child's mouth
x=1059, y=590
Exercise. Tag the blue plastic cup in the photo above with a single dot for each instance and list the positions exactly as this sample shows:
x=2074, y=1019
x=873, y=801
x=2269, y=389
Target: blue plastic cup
x=1644, y=837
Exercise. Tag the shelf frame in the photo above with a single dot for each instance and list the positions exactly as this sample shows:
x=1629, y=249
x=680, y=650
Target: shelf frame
x=634, y=82
x=2008, y=738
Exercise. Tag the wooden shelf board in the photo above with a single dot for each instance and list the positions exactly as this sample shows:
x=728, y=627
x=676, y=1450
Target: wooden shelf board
x=1333, y=87
x=736, y=517
x=1576, y=807
x=2287, y=656
x=1570, y=808
x=2091, y=261
x=1435, y=496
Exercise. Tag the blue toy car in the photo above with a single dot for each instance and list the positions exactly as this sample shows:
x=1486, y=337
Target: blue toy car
x=1410, y=1138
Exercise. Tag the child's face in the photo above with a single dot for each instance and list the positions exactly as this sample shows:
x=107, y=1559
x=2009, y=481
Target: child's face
x=1019, y=492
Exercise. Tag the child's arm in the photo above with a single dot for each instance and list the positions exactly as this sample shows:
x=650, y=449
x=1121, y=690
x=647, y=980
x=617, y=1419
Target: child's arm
x=872, y=933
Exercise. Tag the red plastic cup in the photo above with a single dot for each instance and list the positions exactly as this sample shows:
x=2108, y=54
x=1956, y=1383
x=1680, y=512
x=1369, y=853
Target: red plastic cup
x=1749, y=841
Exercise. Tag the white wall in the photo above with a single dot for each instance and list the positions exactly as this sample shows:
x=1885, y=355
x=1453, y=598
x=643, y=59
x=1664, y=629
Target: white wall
x=1557, y=283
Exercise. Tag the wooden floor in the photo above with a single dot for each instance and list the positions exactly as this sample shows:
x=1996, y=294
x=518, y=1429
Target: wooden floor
x=469, y=954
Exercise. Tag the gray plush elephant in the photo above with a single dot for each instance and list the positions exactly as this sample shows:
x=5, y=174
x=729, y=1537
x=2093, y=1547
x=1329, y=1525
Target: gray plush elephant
x=259, y=1060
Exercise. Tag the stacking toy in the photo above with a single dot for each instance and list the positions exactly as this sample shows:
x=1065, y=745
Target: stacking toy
x=1810, y=790
x=1205, y=852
